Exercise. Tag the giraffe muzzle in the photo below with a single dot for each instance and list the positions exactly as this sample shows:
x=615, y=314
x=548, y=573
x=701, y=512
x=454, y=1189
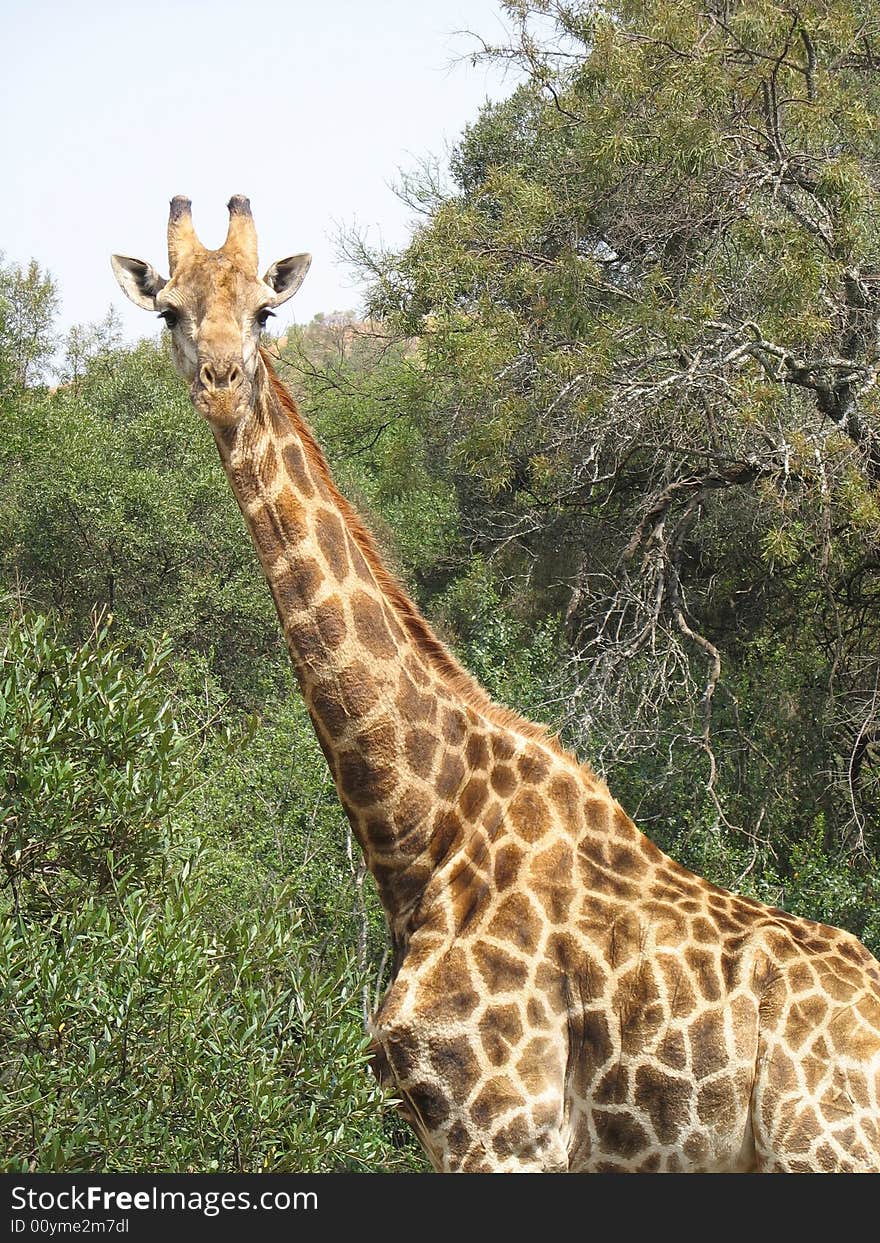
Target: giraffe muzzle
x=217, y=375
x=222, y=390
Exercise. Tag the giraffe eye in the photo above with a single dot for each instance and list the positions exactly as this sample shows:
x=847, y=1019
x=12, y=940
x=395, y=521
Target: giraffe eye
x=170, y=316
x=264, y=316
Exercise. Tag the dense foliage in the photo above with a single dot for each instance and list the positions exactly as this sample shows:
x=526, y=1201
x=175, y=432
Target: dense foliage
x=613, y=419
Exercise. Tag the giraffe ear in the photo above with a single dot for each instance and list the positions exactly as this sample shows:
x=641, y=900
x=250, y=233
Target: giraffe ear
x=286, y=276
x=138, y=280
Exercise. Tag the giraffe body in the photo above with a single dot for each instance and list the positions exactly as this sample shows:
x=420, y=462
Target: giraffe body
x=565, y=996
x=618, y=1013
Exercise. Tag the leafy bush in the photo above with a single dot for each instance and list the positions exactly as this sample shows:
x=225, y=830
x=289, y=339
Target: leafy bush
x=148, y=1020
x=136, y=1038
x=91, y=755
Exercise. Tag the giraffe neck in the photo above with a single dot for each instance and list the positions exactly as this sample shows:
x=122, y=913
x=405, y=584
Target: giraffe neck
x=372, y=674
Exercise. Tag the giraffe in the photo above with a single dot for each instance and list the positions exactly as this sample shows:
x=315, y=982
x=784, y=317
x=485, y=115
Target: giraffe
x=565, y=997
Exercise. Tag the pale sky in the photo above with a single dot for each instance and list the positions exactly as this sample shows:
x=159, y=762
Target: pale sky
x=110, y=108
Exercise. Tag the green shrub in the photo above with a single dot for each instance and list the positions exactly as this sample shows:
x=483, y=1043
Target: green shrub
x=163, y=1005
x=137, y=1039
x=91, y=757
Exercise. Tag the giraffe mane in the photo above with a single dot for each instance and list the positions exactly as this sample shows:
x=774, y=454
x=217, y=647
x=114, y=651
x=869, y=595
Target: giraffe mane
x=417, y=627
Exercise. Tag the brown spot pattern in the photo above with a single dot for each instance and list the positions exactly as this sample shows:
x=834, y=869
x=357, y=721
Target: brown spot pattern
x=447, y=836
x=666, y=1099
x=454, y=726
x=413, y=705
x=450, y=776
x=529, y=816
x=447, y=989
x=473, y=798
x=295, y=588
x=621, y=1133
x=371, y=627
x=295, y=465
x=331, y=540
x=503, y=780
x=532, y=767
x=508, y=862
x=517, y=922
x=358, y=689
x=500, y=971
x=327, y=706
x=477, y=751
x=421, y=747
x=365, y=783
x=330, y=620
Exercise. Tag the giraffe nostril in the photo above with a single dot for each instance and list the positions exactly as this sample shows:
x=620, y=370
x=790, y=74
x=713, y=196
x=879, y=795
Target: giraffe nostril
x=222, y=374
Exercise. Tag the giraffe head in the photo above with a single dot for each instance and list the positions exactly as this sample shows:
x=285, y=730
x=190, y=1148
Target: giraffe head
x=215, y=305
